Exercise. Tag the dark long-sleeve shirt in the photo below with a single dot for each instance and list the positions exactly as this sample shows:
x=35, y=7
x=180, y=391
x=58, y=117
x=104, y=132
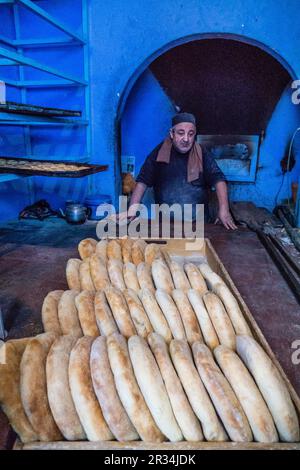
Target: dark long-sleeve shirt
x=169, y=180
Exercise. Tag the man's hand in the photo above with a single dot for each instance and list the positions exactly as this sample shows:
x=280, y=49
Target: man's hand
x=225, y=218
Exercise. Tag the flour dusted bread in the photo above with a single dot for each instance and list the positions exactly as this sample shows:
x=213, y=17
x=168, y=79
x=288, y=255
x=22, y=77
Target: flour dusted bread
x=130, y=276
x=207, y=328
x=87, y=247
x=72, y=273
x=10, y=397
x=58, y=389
x=272, y=387
x=98, y=272
x=120, y=311
x=152, y=387
x=138, y=251
x=248, y=394
x=220, y=320
x=33, y=386
x=84, y=302
x=137, y=313
x=85, y=400
x=143, y=271
x=106, y=392
x=152, y=252
x=113, y=250
x=196, y=393
x=68, y=315
x=171, y=313
x=162, y=276
x=128, y=390
x=50, y=312
x=209, y=275
x=232, y=307
x=179, y=277
x=115, y=272
x=186, y=418
x=188, y=316
x=126, y=246
x=86, y=281
x=101, y=250
x=104, y=317
x=223, y=397
x=155, y=315
x=195, y=278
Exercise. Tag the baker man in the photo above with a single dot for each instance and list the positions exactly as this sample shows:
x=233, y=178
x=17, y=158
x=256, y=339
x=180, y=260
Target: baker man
x=180, y=171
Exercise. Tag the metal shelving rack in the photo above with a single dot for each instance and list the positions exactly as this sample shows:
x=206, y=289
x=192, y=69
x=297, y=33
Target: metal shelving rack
x=13, y=52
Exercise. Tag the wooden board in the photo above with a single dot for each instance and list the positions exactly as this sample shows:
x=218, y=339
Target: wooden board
x=176, y=248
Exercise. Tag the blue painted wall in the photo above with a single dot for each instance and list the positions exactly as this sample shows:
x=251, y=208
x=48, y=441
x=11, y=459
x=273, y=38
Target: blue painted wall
x=124, y=38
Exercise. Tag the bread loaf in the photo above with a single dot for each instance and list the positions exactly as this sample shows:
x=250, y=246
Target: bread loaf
x=114, y=250
x=130, y=276
x=104, y=317
x=209, y=275
x=248, y=394
x=195, y=278
x=10, y=396
x=179, y=277
x=171, y=313
x=138, y=251
x=33, y=387
x=137, y=313
x=120, y=311
x=189, y=319
x=196, y=393
x=128, y=390
x=220, y=320
x=144, y=276
x=115, y=272
x=72, y=273
x=207, y=329
x=101, y=250
x=86, y=403
x=58, y=389
x=106, y=392
x=152, y=252
x=186, y=419
x=126, y=246
x=162, y=276
x=99, y=272
x=86, y=313
x=86, y=280
x=87, y=247
x=155, y=315
x=152, y=387
x=223, y=397
x=68, y=315
x=50, y=312
x=272, y=387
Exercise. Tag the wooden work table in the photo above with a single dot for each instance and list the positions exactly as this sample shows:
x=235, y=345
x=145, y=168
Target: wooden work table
x=33, y=256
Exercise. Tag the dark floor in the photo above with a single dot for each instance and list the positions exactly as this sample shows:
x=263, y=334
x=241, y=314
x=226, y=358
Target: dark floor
x=32, y=262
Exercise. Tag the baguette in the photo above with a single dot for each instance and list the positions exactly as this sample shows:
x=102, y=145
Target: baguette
x=86, y=403
x=144, y=276
x=155, y=315
x=162, y=276
x=248, y=394
x=50, y=312
x=115, y=272
x=106, y=392
x=195, y=277
x=68, y=315
x=183, y=412
x=104, y=317
x=152, y=387
x=137, y=313
x=171, y=313
x=207, y=329
x=120, y=311
x=99, y=272
x=86, y=313
x=220, y=320
x=152, y=252
x=196, y=393
x=58, y=389
x=33, y=386
x=126, y=246
x=179, y=277
x=86, y=281
x=189, y=319
x=101, y=250
x=138, y=251
x=128, y=390
x=272, y=388
x=87, y=247
x=209, y=275
x=72, y=273
x=223, y=397
x=130, y=276
x=114, y=250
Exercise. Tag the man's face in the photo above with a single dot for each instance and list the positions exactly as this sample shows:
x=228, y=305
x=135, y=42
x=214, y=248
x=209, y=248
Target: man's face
x=183, y=136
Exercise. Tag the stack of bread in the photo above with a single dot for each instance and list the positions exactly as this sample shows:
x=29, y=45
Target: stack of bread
x=143, y=347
